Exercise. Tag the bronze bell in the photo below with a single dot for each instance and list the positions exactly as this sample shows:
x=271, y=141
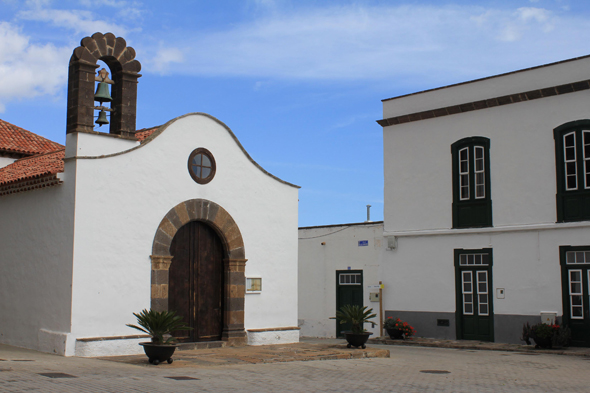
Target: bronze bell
x=102, y=93
x=102, y=118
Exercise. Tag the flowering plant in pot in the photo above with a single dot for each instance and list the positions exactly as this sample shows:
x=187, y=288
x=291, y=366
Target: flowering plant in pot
x=546, y=336
x=357, y=316
x=159, y=325
x=396, y=328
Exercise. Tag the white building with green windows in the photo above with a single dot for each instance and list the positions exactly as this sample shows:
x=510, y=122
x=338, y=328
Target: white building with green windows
x=486, y=210
x=487, y=195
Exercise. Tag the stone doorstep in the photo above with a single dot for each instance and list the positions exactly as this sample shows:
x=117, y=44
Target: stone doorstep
x=200, y=345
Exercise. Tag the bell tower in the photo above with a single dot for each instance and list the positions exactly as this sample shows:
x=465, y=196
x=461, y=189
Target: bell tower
x=120, y=58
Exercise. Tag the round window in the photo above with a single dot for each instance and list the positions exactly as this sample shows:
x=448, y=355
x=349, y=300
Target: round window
x=201, y=165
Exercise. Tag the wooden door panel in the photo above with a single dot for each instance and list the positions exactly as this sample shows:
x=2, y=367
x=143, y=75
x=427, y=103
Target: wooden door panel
x=209, y=284
x=179, y=281
x=196, y=281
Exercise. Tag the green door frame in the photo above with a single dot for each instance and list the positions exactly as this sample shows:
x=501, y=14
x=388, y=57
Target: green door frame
x=354, y=292
x=488, y=320
x=580, y=328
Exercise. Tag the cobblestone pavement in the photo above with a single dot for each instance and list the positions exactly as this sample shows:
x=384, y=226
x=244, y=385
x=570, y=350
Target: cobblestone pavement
x=409, y=369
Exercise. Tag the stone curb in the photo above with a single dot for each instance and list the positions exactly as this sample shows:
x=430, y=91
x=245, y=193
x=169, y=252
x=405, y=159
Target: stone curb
x=478, y=345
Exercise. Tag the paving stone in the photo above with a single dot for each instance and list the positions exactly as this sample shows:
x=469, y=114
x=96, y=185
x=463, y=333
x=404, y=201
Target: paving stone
x=404, y=371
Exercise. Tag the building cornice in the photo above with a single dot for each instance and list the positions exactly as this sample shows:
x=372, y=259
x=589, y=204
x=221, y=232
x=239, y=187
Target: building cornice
x=487, y=103
x=488, y=230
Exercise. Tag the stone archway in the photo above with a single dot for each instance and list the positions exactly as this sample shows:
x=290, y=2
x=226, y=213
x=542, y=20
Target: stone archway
x=234, y=265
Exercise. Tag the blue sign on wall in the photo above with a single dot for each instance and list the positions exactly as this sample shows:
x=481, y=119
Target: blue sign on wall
x=363, y=243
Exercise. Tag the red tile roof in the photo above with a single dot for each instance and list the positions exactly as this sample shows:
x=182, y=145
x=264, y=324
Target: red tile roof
x=33, y=167
x=145, y=132
x=46, y=157
x=15, y=139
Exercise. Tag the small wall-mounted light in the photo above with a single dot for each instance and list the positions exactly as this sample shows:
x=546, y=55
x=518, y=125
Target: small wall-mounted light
x=323, y=243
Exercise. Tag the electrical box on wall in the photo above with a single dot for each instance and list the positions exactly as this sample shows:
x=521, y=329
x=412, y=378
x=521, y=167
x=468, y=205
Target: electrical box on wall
x=374, y=296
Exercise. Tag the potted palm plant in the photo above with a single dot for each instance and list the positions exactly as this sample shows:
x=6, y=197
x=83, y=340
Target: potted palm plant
x=159, y=325
x=357, y=316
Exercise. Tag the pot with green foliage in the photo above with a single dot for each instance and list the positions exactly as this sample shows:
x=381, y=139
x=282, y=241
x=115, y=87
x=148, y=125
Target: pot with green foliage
x=546, y=336
x=357, y=316
x=159, y=325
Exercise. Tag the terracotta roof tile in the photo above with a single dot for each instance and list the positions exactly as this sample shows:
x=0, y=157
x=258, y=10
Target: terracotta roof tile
x=15, y=139
x=33, y=167
x=46, y=157
x=145, y=132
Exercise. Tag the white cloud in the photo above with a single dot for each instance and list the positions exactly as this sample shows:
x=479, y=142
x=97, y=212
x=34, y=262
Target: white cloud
x=164, y=58
x=359, y=42
x=28, y=70
x=79, y=21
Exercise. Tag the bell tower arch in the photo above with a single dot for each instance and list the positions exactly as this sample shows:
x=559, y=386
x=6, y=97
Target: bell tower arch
x=120, y=58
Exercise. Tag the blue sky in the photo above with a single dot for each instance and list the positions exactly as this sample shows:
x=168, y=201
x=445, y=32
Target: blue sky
x=299, y=82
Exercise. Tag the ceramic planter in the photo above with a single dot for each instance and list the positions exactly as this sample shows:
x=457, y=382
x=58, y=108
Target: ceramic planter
x=357, y=339
x=159, y=353
x=395, y=334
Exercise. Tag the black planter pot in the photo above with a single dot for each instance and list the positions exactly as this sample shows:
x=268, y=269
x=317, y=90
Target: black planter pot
x=395, y=334
x=545, y=343
x=159, y=353
x=357, y=339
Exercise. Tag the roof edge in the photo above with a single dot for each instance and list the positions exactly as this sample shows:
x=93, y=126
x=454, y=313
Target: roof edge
x=163, y=127
x=344, y=225
x=487, y=77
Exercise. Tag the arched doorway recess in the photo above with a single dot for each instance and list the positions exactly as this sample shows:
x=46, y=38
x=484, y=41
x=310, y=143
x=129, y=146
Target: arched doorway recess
x=234, y=263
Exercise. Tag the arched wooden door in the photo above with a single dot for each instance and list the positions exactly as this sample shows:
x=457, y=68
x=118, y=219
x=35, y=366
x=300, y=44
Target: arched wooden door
x=196, y=281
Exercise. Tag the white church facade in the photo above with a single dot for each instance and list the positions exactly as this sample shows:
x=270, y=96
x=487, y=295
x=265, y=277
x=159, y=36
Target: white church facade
x=177, y=217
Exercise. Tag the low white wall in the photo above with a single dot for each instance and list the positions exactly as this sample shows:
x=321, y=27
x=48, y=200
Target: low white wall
x=116, y=347
x=4, y=161
x=273, y=337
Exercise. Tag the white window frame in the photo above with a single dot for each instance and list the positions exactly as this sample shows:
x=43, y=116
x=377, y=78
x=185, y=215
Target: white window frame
x=355, y=275
x=566, y=161
x=580, y=294
x=571, y=257
x=586, y=134
x=464, y=292
x=481, y=171
x=464, y=259
x=461, y=175
x=479, y=293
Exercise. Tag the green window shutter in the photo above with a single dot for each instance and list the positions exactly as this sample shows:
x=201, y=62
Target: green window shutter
x=472, y=202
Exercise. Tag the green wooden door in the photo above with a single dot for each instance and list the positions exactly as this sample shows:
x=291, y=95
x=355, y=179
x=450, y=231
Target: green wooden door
x=349, y=290
x=575, y=276
x=473, y=280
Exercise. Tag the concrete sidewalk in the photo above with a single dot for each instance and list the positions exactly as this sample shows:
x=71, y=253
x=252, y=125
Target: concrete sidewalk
x=479, y=345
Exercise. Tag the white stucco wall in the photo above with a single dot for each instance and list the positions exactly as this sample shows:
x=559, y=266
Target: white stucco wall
x=121, y=200
x=4, y=161
x=36, y=240
x=420, y=275
x=317, y=272
x=418, y=187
